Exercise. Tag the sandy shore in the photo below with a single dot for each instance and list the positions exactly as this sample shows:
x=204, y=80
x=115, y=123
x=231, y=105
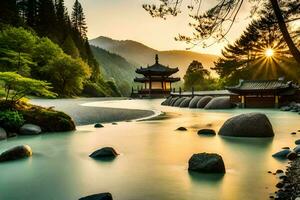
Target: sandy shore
x=83, y=115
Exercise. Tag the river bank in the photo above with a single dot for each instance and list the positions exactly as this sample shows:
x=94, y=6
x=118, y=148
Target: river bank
x=84, y=115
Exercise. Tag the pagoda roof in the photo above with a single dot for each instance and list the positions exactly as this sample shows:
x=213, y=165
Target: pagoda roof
x=146, y=79
x=157, y=69
x=245, y=86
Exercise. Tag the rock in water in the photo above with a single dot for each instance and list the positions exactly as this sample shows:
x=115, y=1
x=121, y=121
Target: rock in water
x=30, y=129
x=3, y=134
x=101, y=196
x=282, y=153
x=292, y=156
x=185, y=103
x=16, y=153
x=297, y=142
x=98, y=125
x=178, y=102
x=219, y=103
x=204, y=101
x=181, y=129
x=207, y=163
x=206, y=132
x=248, y=125
x=297, y=149
x=106, y=152
x=194, y=101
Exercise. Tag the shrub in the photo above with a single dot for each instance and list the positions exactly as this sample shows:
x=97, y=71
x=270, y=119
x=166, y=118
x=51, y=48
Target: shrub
x=11, y=120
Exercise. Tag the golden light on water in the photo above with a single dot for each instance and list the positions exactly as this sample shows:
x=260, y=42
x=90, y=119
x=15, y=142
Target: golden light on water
x=269, y=52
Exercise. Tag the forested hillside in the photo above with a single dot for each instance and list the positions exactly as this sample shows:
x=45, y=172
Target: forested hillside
x=42, y=19
x=116, y=67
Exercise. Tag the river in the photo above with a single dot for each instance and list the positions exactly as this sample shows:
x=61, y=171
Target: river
x=153, y=158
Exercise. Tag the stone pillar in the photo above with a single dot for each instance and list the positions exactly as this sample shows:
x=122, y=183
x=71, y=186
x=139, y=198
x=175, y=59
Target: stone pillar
x=276, y=101
x=243, y=101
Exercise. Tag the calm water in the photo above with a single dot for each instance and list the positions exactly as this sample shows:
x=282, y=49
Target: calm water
x=153, y=160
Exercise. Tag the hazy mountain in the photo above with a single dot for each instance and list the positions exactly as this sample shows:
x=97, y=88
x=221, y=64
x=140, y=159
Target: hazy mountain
x=140, y=54
x=116, y=67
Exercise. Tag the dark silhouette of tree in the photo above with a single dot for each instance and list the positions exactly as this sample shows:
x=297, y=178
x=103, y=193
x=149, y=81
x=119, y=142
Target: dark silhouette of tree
x=216, y=22
x=247, y=59
x=78, y=19
x=9, y=12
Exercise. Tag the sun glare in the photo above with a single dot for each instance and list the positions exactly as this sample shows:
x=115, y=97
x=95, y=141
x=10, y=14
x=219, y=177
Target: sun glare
x=269, y=52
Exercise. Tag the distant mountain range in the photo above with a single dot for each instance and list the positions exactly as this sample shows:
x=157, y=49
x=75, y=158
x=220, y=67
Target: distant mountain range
x=141, y=55
x=119, y=59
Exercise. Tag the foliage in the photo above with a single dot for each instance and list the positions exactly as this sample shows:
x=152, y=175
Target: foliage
x=17, y=87
x=113, y=65
x=246, y=59
x=48, y=19
x=16, y=46
x=67, y=75
x=198, y=78
x=11, y=120
x=213, y=25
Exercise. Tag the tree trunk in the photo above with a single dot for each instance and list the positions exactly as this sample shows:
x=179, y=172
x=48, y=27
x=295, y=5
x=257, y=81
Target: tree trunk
x=283, y=28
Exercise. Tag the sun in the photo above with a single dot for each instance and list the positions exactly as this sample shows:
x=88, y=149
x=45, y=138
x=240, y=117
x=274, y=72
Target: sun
x=269, y=52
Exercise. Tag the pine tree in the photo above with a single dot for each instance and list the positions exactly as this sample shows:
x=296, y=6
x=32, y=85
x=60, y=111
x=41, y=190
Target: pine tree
x=9, y=12
x=78, y=19
x=31, y=12
x=46, y=20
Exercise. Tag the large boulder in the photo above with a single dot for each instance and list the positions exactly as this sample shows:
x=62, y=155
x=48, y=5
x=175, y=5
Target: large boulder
x=167, y=101
x=173, y=100
x=248, y=125
x=219, y=103
x=178, y=102
x=101, y=196
x=106, y=152
x=16, y=153
x=30, y=129
x=185, y=103
x=194, y=101
x=204, y=101
x=282, y=154
x=207, y=163
x=3, y=134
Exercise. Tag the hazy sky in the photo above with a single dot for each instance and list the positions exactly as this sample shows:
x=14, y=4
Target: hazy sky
x=126, y=19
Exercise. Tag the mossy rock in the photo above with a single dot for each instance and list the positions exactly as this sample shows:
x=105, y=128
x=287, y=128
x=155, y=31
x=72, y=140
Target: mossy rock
x=48, y=119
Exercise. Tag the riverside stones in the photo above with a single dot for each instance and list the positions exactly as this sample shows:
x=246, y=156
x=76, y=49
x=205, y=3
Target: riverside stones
x=16, y=153
x=206, y=163
x=185, y=103
x=282, y=153
x=106, y=152
x=247, y=125
x=179, y=101
x=194, y=101
x=30, y=129
x=204, y=101
x=101, y=196
x=219, y=103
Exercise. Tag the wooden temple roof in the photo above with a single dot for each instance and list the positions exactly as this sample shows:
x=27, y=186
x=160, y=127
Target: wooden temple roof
x=264, y=86
x=156, y=69
x=146, y=79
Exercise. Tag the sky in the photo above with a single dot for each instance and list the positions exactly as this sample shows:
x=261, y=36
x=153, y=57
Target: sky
x=127, y=20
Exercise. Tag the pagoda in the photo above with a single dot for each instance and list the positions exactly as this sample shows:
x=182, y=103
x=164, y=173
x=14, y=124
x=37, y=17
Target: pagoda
x=156, y=80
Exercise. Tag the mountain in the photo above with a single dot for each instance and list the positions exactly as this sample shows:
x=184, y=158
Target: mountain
x=116, y=67
x=140, y=54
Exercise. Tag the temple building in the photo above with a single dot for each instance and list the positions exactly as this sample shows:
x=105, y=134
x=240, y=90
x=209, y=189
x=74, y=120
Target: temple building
x=263, y=93
x=156, y=81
